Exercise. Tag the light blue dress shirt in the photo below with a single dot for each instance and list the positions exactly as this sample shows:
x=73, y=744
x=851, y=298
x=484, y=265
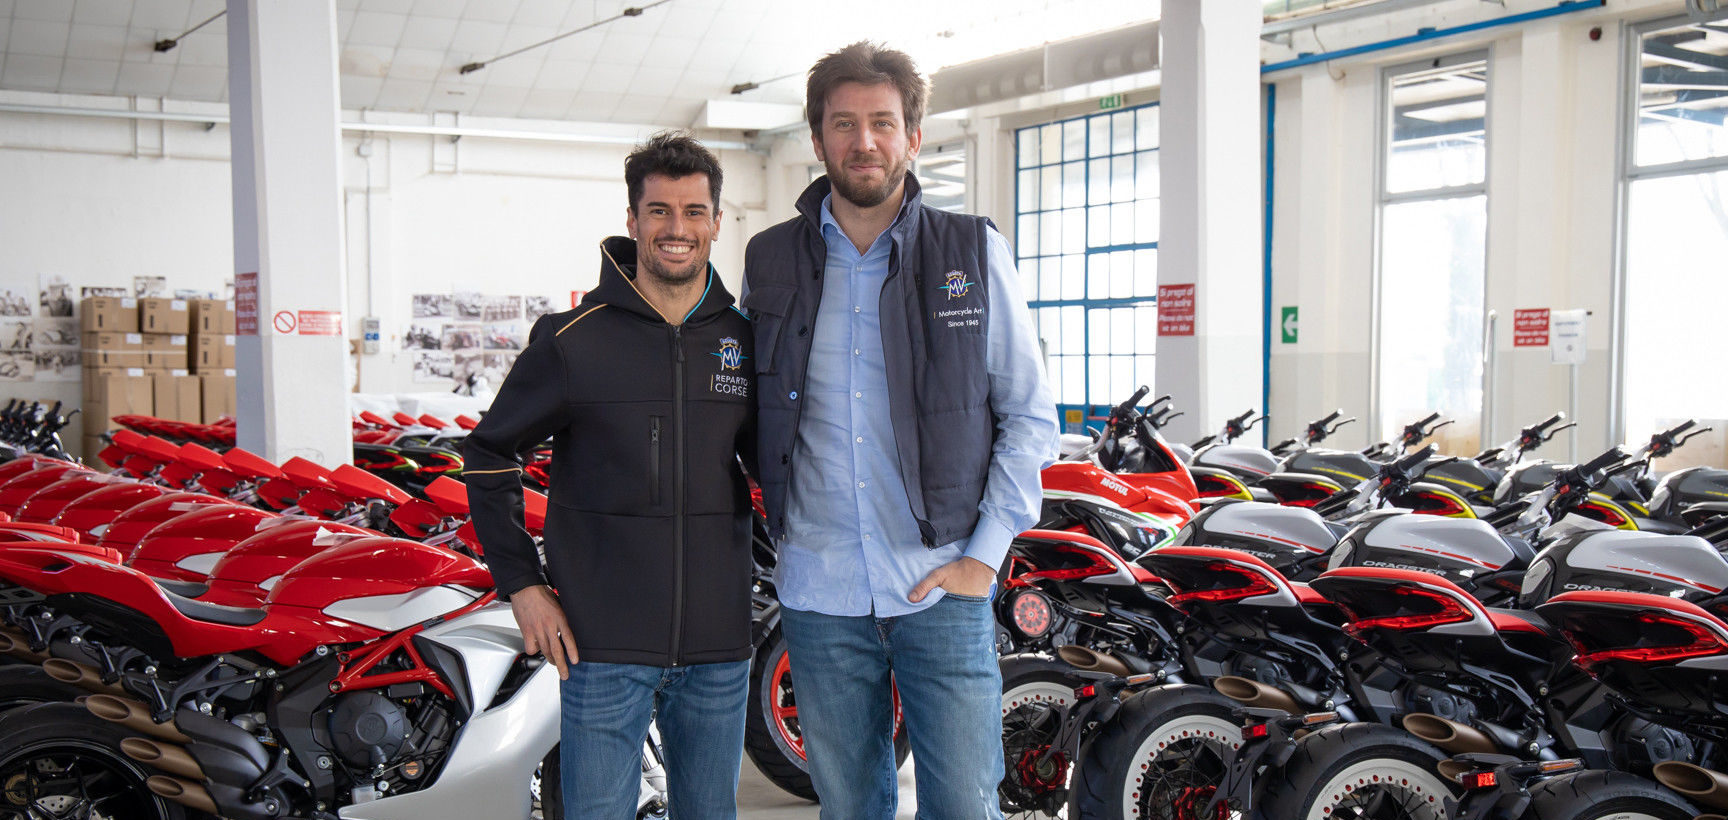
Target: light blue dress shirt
x=852, y=546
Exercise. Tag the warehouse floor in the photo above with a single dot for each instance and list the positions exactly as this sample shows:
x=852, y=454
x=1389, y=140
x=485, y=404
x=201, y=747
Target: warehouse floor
x=759, y=799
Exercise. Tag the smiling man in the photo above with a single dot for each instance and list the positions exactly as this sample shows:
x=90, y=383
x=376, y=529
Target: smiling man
x=644, y=602
x=904, y=419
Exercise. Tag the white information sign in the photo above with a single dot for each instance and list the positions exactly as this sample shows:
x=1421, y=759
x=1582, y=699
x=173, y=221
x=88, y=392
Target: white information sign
x=1566, y=341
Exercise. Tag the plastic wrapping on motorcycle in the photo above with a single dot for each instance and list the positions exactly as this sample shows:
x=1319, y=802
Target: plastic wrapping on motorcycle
x=125, y=530
x=186, y=547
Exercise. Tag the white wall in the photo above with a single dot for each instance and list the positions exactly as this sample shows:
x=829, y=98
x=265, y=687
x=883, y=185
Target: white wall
x=100, y=200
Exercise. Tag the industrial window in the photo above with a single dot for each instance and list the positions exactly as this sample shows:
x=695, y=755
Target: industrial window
x=1676, y=232
x=1086, y=243
x=1433, y=230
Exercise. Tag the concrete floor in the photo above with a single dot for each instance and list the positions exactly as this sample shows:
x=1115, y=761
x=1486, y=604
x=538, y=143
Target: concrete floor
x=760, y=799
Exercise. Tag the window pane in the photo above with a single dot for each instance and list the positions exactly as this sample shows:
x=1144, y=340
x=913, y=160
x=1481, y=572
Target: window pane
x=1074, y=230
x=1074, y=380
x=1026, y=235
x=1098, y=226
x=1073, y=277
x=1099, y=132
x=1146, y=127
x=1683, y=94
x=1098, y=182
x=1099, y=381
x=1146, y=331
x=1431, y=313
x=1098, y=277
x=1050, y=278
x=1050, y=189
x=1146, y=272
x=1438, y=128
x=1050, y=144
x=1028, y=139
x=1097, y=331
x=1122, y=223
x=1146, y=174
x=1146, y=213
x=1122, y=275
x=1027, y=185
x=1122, y=331
x=1050, y=329
x=1674, y=225
x=1122, y=178
x=1050, y=232
x=1074, y=140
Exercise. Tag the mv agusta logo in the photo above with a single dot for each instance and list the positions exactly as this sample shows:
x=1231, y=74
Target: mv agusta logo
x=731, y=355
x=957, y=284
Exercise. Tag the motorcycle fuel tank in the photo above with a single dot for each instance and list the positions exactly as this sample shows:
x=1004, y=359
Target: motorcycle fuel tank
x=1683, y=566
x=1288, y=538
x=1249, y=462
x=1461, y=550
x=1344, y=467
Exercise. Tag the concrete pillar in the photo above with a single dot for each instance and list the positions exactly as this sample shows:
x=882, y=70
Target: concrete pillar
x=1213, y=201
x=285, y=121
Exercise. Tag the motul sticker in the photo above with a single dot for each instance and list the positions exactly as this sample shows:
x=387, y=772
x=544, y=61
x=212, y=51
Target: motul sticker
x=320, y=323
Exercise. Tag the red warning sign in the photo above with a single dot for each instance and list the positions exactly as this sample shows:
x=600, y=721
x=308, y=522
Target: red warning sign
x=1175, y=310
x=321, y=323
x=284, y=321
x=1530, y=327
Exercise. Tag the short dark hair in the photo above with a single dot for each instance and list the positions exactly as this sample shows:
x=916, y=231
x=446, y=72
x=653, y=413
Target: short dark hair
x=866, y=63
x=674, y=155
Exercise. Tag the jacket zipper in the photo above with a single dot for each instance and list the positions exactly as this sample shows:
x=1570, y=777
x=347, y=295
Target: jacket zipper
x=677, y=493
x=654, y=460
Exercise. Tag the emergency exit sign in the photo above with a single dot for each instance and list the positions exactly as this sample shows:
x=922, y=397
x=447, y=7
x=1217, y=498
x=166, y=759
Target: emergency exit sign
x=1112, y=101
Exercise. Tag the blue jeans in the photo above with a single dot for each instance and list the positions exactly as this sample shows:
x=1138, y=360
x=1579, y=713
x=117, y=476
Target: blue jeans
x=606, y=709
x=943, y=659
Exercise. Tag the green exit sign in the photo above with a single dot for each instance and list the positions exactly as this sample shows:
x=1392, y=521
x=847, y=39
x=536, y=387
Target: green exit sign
x=1112, y=101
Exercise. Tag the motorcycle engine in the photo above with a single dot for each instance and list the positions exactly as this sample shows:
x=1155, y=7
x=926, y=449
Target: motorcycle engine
x=1442, y=704
x=368, y=729
x=1643, y=744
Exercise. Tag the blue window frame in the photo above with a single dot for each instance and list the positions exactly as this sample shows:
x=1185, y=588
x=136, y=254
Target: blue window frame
x=1086, y=239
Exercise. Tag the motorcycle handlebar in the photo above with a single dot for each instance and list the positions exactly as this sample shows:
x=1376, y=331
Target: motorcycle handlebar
x=1410, y=462
x=1133, y=400
x=1427, y=421
x=1681, y=428
x=1602, y=462
x=1549, y=422
x=1243, y=417
x=1329, y=419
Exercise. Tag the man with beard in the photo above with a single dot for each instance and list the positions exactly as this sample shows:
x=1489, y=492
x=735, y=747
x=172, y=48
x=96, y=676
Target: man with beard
x=904, y=420
x=645, y=392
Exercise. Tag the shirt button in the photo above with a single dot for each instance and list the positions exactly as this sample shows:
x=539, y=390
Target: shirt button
x=859, y=439
x=866, y=537
x=857, y=352
x=857, y=309
x=792, y=395
x=858, y=395
x=860, y=485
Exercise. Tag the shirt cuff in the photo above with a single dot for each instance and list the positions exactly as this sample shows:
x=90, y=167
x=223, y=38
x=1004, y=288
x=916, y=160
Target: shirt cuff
x=989, y=542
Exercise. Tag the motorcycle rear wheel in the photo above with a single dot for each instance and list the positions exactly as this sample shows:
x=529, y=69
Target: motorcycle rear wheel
x=1034, y=688
x=1358, y=771
x=1163, y=755
x=28, y=684
x=57, y=759
x=772, y=737
x=1603, y=795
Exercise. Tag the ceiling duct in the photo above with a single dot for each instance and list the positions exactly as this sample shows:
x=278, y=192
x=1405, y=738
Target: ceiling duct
x=1106, y=55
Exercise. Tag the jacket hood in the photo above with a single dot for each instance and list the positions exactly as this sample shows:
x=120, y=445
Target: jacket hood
x=617, y=286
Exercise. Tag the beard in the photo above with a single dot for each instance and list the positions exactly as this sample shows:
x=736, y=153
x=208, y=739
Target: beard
x=648, y=261
x=865, y=195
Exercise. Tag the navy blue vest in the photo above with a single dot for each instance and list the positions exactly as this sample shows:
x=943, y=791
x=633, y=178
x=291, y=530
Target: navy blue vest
x=932, y=311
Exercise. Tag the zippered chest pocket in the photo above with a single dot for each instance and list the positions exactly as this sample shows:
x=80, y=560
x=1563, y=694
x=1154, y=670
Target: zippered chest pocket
x=655, y=434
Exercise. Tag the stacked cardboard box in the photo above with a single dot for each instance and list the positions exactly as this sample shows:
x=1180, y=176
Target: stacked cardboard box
x=212, y=355
x=115, y=382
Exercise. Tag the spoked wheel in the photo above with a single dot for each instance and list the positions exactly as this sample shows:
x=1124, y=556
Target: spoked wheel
x=1163, y=755
x=59, y=761
x=773, y=737
x=1035, y=688
x=1359, y=771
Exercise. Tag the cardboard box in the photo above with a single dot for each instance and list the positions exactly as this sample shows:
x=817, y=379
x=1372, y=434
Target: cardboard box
x=113, y=359
x=164, y=316
x=218, y=395
x=164, y=351
x=92, y=445
x=212, y=352
x=212, y=316
x=96, y=376
x=179, y=396
x=106, y=340
x=119, y=394
x=108, y=314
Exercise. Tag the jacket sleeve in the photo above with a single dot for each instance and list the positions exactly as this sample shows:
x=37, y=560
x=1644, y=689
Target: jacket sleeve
x=530, y=406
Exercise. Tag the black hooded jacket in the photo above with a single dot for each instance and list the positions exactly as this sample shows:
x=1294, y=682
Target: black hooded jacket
x=647, y=536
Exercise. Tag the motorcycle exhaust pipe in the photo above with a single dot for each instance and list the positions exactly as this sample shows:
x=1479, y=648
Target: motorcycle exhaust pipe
x=172, y=759
x=1450, y=735
x=1452, y=769
x=1709, y=817
x=1701, y=785
x=135, y=716
x=184, y=792
x=79, y=674
x=1080, y=657
x=1254, y=693
x=15, y=644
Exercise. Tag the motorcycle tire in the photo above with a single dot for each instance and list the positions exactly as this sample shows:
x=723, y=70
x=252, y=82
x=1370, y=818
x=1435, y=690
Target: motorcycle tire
x=1163, y=755
x=1349, y=771
x=28, y=684
x=771, y=735
x=1034, y=686
x=1604, y=795
x=55, y=756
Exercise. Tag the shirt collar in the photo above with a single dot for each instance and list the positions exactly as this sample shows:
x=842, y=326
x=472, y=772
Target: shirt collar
x=830, y=223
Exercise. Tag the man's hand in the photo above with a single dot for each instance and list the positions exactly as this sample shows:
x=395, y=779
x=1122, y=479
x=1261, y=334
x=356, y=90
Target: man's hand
x=966, y=576
x=544, y=630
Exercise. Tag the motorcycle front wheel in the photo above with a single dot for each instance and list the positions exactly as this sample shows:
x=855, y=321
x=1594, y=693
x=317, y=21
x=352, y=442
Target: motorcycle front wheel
x=58, y=760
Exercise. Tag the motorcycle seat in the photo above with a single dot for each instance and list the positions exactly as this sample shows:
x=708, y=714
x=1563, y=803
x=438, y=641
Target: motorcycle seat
x=213, y=613
x=1306, y=594
x=1520, y=620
